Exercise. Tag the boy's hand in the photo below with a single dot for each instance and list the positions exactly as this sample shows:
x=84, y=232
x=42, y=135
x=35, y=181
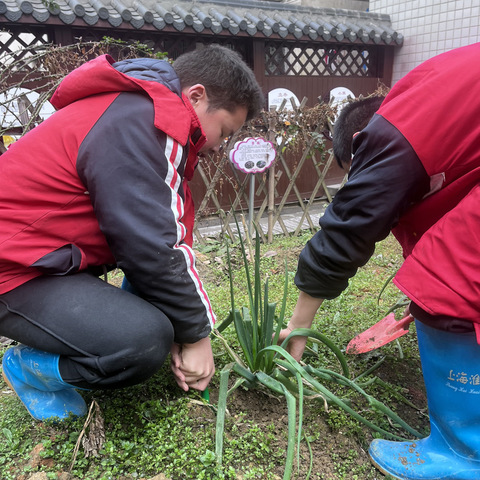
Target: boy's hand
x=302, y=317
x=295, y=346
x=192, y=364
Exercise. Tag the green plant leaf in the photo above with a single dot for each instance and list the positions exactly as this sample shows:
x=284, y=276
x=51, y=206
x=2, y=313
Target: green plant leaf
x=278, y=387
x=221, y=409
x=313, y=334
x=243, y=328
x=226, y=323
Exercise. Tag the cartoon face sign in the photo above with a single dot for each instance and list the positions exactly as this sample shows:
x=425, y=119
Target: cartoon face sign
x=252, y=155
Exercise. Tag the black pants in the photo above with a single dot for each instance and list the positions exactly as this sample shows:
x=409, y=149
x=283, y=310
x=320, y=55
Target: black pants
x=106, y=337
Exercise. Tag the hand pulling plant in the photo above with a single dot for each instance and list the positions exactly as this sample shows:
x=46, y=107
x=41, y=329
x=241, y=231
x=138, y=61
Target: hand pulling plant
x=266, y=364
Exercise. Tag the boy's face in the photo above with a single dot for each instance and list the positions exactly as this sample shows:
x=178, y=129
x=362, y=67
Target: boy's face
x=217, y=124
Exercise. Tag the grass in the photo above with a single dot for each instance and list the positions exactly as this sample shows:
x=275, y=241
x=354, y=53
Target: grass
x=154, y=428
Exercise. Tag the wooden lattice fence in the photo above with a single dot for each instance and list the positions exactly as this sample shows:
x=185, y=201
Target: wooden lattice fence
x=302, y=146
x=297, y=177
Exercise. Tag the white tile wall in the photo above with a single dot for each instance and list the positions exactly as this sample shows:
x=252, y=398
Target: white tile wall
x=429, y=27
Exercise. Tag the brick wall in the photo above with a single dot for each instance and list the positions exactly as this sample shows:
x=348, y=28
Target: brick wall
x=430, y=27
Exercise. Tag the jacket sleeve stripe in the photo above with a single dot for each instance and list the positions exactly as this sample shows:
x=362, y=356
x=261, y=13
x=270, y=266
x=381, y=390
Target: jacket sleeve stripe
x=174, y=153
x=192, y=271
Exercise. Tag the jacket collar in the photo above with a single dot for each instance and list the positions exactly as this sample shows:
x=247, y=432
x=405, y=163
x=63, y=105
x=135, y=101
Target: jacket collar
x=174, y=114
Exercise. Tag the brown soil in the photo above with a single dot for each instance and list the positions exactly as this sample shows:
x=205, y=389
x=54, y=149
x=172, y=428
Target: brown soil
x=333, y=451
x=334, y=442
x=336, y=449
x=338, y=446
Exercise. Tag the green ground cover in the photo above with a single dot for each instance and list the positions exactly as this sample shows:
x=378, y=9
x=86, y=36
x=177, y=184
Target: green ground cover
x=154, y=430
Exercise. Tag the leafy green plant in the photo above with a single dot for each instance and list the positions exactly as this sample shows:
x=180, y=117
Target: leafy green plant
x=264, y=364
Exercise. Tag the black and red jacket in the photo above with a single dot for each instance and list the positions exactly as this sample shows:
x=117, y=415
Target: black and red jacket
x=416, y=171
x=103, y=181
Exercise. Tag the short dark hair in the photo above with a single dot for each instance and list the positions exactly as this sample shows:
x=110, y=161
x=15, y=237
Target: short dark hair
x=228, y=80
x=353, y=118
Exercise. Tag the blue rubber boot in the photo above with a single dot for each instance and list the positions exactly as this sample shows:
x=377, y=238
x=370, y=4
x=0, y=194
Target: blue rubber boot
x=34, y=376
x=451, y=372
x=126, y=285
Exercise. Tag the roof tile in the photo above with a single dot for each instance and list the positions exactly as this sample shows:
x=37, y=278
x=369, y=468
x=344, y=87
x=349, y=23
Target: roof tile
x=257, y=18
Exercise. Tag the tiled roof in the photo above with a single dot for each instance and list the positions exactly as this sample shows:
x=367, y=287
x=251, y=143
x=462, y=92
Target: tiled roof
x=253, y=18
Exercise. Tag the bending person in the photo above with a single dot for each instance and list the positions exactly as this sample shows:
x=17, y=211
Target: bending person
x=103, y=183
x=415, y=171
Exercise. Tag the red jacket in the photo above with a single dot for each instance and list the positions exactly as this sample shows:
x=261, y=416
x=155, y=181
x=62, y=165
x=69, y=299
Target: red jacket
x=102, y=182
x=437, y=108
x=416, y=170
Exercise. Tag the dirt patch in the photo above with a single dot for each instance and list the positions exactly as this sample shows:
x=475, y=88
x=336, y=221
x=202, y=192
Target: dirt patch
x=327, y=449
x=336, y=447
x=265, y=410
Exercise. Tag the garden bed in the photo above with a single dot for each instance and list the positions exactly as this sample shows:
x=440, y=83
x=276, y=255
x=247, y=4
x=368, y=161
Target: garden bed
x=155, y=431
